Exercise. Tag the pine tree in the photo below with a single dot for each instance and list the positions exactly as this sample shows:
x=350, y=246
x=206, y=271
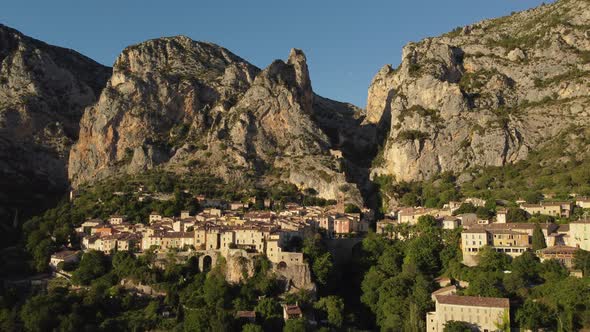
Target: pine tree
x=538, y=238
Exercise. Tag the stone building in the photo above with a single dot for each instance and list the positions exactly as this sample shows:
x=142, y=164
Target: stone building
x=64, y=256
x=579, y=234
x=482, y=313
x=563, y=254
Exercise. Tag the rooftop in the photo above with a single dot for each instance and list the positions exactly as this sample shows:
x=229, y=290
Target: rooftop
x=559, y=250
x=445, y=289
x=246, y=314
x=64, y=254
x=292, y=309
x=474, y=301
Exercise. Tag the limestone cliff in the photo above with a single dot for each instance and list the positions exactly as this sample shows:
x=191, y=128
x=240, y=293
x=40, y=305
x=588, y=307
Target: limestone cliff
x=43, y=92
x=485, y=94
x=192, y=106
x=239, y=266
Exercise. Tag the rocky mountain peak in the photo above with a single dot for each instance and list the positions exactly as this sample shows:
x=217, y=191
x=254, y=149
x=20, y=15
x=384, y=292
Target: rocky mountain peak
x=485, y=94
x=43, y=92
x=179, y=103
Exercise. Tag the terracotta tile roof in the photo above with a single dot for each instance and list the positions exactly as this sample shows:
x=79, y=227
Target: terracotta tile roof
x=506, y=231
x=476, y=230
x=64, y=254
x=516, y=226
x=292, y=309
x=474, y=301
x=246, y=314
x=562, y=250
x=445, y=290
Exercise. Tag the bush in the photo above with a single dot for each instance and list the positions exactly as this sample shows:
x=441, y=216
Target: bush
x=351, y=208
x=412, y=135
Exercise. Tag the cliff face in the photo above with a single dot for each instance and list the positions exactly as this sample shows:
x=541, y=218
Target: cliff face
x=485, y=94
x=43, y=92
x=193, y=106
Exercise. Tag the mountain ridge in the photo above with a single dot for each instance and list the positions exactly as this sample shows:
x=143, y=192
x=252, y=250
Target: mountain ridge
x=236, y=120
x=483, y=95
x=43, y=91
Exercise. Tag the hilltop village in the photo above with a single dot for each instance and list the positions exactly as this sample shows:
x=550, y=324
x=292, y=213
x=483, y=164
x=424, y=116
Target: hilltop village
x=512, y=237
x=219, y=229
x=222, y=228
x=242, y=229
x=526, y=228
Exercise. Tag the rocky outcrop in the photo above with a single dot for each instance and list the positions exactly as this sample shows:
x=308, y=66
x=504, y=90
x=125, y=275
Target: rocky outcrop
x=191, y=106
x=43, y=92
x=296, y=277
x=239, y=266
x=483, y=95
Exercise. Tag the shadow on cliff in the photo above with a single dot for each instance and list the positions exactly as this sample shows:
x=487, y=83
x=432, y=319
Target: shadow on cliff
x=359, y=142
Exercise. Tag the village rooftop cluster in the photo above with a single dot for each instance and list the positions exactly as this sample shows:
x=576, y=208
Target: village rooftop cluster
x=219, y=229
x=503, y=235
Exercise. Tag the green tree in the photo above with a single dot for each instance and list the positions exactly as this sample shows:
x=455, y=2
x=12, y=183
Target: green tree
x=93, y=265
x=196, y=320
x=427, y=224
x=552, y=270
x=484, y=213
x=390, y=262
x=516, y=215
x=351, y=208
x=294, y=325
x=372, y=282
x=527, y=265
x=486, y=284
x=252, y=328
x=409, y=199
x=422, y=254
x=491, y=260
x=41, y=312
x=538, y=238
x=582, y=261
x=216, y=290
x=457, y=326
x=333, y=308
x=322, y=267
x=533, y=315
x=465, y=208
x=268, y=308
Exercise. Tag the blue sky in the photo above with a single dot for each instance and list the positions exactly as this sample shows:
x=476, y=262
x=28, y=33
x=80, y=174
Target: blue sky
x=346, y=42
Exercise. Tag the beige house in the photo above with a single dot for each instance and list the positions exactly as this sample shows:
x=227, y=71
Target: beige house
x=501, y=216
x=468, y=220
x=451, y=222
x=579, y=234
x=478, y=202
x=87, y=225
x=385, y=225
x=508, y=241
x=64, y=256
x=116, y=219
x=292, y=311
x=169, y=241
x=154, y=217
x=555, y=209
x=448, y=290
x=563, y=254
x=472, y=240
x=483, y=313
x=583, y=202
x=275, y=253
x=411, y=215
